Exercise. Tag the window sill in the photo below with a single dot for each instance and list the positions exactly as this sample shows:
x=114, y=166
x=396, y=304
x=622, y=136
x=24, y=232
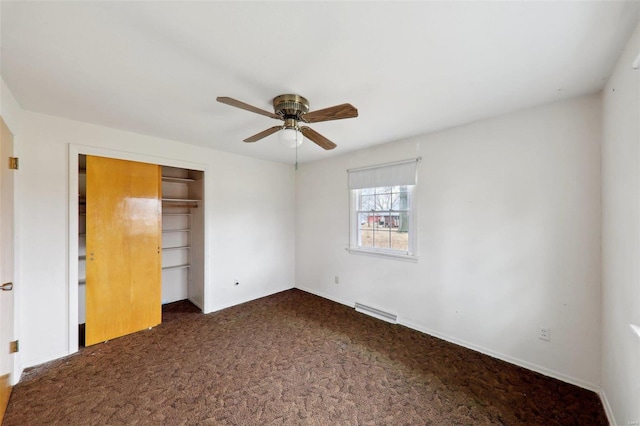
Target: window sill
x=400, y=256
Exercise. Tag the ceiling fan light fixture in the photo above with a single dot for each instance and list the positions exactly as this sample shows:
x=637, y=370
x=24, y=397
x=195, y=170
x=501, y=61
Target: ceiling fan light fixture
x=290, y=137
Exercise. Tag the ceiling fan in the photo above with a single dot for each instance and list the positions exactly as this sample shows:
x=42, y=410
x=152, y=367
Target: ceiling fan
x=293, y=109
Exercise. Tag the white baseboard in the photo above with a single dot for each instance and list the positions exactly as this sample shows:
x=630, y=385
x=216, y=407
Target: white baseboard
x=198, y=304
x=15, y=377
x=326, y=296
x=521, y=363
x=35, y=362
x=607, y=407
x=511, y=360
x=240, y=301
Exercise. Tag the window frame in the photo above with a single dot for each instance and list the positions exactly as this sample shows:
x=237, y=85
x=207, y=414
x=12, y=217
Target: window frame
x=356, y=248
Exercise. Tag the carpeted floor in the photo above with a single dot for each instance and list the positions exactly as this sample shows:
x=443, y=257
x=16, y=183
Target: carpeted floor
x=291, y=358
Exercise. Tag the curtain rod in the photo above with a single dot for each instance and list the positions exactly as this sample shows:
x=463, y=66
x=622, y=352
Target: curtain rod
x=393, y=163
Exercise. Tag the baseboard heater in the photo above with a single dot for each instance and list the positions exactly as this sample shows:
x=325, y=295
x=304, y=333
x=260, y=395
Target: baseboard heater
x=377, y=313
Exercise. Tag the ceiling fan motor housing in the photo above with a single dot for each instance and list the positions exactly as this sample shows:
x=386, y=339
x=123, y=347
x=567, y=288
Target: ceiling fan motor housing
x=290, y=106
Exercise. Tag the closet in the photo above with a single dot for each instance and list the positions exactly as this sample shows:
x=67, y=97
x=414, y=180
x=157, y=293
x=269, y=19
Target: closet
x=182, y=236
x=140, y=244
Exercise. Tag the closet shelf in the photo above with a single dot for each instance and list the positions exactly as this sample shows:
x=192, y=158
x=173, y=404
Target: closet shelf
x=165, y=231
x=180, y=200
x=168, y=268
x=176, y=248
x=176, y=214
x=177, y=179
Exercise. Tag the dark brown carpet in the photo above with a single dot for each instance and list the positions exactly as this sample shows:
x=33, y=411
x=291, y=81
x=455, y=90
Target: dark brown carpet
x=291, y=358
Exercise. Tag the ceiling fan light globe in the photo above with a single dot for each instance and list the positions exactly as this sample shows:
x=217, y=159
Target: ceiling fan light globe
x=290, y=137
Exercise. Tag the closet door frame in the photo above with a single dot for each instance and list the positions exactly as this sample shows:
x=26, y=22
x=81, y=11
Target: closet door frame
x=76, y=150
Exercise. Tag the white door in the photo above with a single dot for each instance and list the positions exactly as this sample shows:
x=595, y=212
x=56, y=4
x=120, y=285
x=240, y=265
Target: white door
x=6, y=265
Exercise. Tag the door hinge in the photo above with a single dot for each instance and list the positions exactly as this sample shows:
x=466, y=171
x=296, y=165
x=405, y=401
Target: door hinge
x=14, y=346
x=14, y=163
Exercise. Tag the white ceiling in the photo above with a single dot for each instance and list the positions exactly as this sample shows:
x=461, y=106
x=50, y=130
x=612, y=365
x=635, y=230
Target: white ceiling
x=409, y=67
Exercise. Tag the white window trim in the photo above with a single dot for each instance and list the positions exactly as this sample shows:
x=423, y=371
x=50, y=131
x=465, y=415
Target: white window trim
x=413, y=226
x=382, y=253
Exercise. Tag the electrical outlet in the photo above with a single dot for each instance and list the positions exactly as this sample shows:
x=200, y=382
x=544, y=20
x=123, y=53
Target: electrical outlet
x=634, y=423
x=544, y=334
x=336, y=279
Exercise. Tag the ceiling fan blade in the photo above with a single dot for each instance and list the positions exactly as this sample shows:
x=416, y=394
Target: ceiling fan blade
x=263, y=134
x=317, y=138
x=242, y=105
x=337, y=112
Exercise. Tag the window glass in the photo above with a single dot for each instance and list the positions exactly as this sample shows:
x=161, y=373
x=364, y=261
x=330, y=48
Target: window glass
x=383, y=219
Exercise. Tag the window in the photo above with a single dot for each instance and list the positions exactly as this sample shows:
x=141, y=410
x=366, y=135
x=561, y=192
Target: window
x=383, y=209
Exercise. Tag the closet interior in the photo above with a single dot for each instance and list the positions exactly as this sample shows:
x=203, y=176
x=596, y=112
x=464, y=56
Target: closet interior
x=182, y=238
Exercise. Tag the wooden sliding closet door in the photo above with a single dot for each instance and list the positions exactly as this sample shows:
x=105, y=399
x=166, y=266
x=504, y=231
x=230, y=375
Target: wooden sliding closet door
x=124, y=240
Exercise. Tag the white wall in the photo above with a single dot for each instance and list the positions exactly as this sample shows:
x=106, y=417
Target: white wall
x=621, y=237
x=10, y=110
x=508, y=240
x=249, y=216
